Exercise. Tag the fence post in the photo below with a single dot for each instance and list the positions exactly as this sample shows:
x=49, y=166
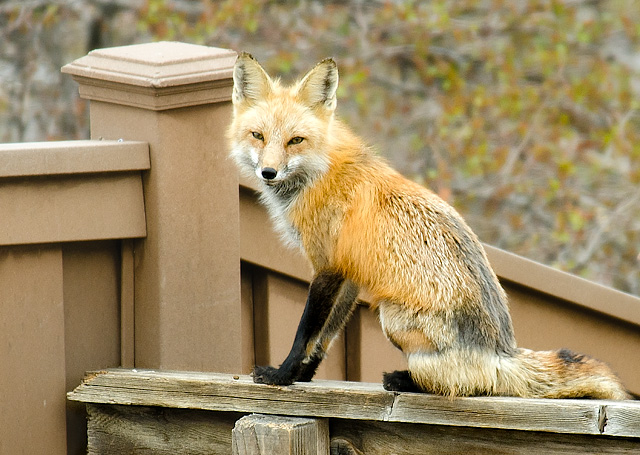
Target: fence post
x=176, y=96
x=260, y=434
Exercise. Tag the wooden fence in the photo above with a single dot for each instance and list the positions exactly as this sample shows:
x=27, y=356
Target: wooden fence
x=142, y=248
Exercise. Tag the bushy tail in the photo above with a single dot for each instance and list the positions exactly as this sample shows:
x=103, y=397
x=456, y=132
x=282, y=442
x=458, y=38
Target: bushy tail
x=558, y=374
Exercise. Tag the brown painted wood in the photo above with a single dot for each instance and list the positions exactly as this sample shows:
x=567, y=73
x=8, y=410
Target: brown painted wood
x=32, y=352
x=72, y=157
x=127, y=304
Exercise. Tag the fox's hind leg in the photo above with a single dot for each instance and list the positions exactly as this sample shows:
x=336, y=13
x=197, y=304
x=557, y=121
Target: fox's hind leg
x=413, y=334
x=399, y=381
x=438, y=362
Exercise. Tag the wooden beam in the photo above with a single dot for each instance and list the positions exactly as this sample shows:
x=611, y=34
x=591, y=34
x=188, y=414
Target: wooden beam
x=351, y=437
x=132, y=430
x=260, y=434
x=363, y=401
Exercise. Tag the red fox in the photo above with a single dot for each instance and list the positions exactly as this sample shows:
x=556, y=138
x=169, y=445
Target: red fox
x=364, y=226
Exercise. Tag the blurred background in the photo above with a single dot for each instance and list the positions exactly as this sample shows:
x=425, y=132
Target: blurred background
x=524, y=115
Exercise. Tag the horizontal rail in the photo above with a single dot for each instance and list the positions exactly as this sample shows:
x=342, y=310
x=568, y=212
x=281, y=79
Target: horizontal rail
x=72, y=191
x=565, y=286
x=72, y=157
x=355, y=400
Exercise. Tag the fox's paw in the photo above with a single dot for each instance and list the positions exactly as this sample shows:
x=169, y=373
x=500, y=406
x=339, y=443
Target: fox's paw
x=399, y=381
x=308, y=370
x=270, y=375
x=306, y=376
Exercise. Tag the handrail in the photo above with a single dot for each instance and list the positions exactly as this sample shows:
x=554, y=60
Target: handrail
x=72, y=191
x=72, y=157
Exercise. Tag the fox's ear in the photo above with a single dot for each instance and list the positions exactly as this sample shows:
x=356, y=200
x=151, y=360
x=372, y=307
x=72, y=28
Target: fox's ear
x=318, y=87
x=250, y=82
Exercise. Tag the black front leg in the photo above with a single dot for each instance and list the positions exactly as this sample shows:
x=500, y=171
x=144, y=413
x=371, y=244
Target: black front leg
x=302, y=360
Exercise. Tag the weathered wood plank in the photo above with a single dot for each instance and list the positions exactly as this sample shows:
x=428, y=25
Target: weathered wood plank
x=558, y=416
x=127, y=430
x=223, y=392
x=350, y=437
x=620, y=420
x=260, y=434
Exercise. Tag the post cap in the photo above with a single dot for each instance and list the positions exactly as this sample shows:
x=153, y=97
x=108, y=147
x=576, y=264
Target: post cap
x=157, y=76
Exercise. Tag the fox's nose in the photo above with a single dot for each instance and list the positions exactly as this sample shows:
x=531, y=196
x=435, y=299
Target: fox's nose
x=269, y=173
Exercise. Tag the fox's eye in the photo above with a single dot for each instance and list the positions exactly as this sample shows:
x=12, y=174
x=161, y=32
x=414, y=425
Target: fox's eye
x=295, y=140
x=257, y=135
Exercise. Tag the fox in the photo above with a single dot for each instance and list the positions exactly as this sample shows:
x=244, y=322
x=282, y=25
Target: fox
x=363, y=226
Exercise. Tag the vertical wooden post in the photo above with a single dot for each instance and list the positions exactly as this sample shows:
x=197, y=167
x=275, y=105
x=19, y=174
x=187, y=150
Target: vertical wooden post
x=127, y=308
x=259, y=434
x=32, y=350
x=176, y=96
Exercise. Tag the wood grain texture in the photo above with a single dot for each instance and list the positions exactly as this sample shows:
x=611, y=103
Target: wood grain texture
x=354, y=400
x=350, y=437
x=260, y=434
x=127, y=430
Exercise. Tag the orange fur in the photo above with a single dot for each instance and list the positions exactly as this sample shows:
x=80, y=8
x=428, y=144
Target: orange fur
x=360, y=221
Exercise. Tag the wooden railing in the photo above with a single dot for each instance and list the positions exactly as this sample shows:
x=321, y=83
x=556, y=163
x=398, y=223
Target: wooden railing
x=176, y=412
x=69, y=212
x=142, y=248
